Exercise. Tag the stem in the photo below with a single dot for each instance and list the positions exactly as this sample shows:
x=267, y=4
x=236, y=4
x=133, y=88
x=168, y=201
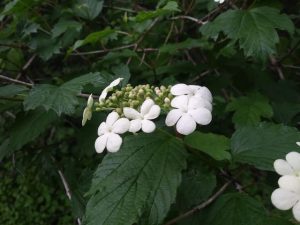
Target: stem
x=201, y=206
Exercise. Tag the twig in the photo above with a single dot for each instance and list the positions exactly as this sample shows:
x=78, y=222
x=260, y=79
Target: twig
x=15, y=81
x=27, y=64
x=277, y=67
x=31, y=85
x=188, y=18
x=201, y=206
x=116, y=49
x=65, y=184
x=141, y=38
x=289, y=52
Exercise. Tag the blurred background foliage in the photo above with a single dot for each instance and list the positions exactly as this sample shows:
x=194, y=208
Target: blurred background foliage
x=54, y=53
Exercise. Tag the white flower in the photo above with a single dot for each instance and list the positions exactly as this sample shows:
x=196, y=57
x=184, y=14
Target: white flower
x=108, y=88
x=298, y=143
x=87, y=112
x=220, y=1
x=290, y=166
x=192, y=90
x=188, y=112
x=109, y=133
x=142, y=120
x=287, y=196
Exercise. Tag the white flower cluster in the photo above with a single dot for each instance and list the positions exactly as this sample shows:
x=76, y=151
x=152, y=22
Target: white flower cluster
x=287, y=196
x=191, y=105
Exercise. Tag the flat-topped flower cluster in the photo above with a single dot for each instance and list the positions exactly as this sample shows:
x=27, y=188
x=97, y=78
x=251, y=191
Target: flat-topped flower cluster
x=287, y=196
x=134, y=109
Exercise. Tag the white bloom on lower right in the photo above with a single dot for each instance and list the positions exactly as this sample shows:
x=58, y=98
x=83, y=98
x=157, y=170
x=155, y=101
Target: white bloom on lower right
x=187, y=115
x=287, y=196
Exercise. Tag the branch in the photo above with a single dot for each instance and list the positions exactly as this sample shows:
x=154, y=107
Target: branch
x=201, y=206
x=15, y=81
x=188, y=18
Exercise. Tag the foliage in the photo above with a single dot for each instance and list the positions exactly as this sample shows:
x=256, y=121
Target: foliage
x=54, y=54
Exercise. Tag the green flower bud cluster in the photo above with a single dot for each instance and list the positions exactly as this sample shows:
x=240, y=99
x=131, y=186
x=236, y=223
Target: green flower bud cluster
x=134, y=97
x=163, y=97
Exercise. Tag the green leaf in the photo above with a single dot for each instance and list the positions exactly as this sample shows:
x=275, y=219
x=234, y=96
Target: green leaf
x=170, y=7
x=141, y=179
x=11, y=90
x=45, y=46
x=254, y=29
x=61, y=99
x=88, y=9
x=197, y=185
x=93, y=38
x=261, y=145
x=248, y=110
x=63, y=25
x=236, y=209
x=211, y=144
x=28, y=127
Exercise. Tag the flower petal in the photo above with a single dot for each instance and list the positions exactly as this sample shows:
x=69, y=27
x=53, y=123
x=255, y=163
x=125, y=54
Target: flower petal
x=87, y=115
x=290, y=182
x=135, y=125
x=115, y=82
x=186, y=125
x=293, y=158
x=148, y=126
x=121, y=126
x=296, y=211
x=114, y=142
x=111, y=119
x=298, y=143
x=153, y=113
x=204, y=93
x=283, y=199
x=180, y=89
x=103, y=94
x=146, y=106
x=131, y=113
x=194, y=88
x=90, y=101
x=173, y=116
x=180, y=102
x=100, y=143
x=102, y=129
x=282, y=167
x=202, y=116
x=197, y=102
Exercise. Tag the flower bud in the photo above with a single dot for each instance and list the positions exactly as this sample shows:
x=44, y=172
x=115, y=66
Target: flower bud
x=167, y=100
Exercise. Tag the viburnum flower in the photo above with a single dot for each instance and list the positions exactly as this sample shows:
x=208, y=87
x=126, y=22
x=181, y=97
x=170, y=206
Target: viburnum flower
x=192, y=90
x=108, y=88
x=87, y=112
x=287, y=196
x=109, y=133
x=187, y=114
x=142, y=120
x=290, y=166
